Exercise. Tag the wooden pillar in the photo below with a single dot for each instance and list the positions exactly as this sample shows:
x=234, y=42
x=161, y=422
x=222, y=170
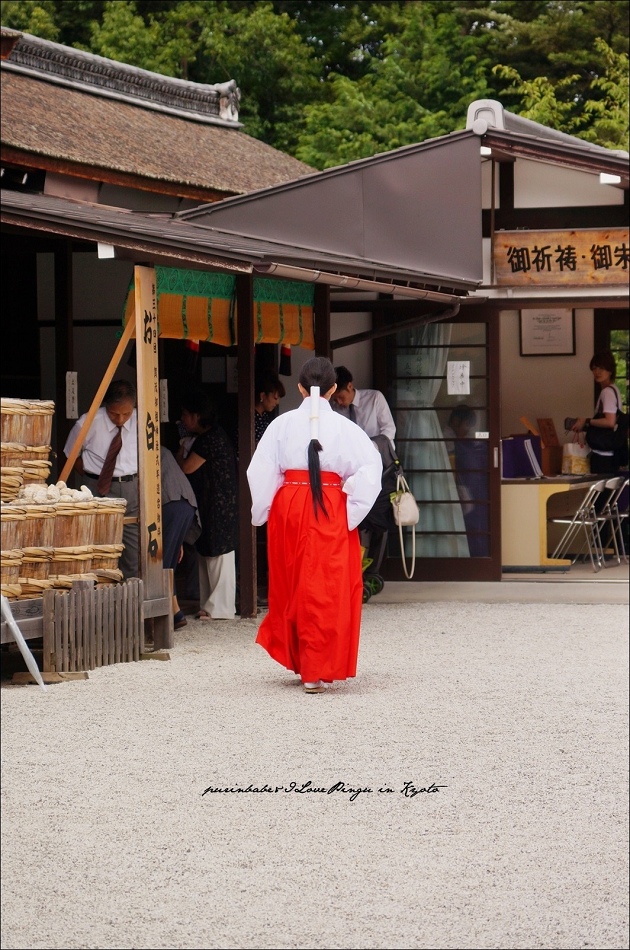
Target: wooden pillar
x=156, y=587
x=379, y=352
x=321, y=318
x=246, y=383
x=64, y=340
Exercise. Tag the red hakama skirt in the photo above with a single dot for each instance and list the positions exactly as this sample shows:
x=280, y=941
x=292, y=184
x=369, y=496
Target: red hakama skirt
x=315, y=582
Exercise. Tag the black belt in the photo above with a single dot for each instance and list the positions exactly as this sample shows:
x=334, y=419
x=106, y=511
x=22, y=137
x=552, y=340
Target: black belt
x=115, y=478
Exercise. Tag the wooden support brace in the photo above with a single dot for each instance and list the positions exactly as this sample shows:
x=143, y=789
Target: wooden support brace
x=23, y=678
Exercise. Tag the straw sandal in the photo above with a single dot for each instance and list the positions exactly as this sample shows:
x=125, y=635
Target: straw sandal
x=317, y=687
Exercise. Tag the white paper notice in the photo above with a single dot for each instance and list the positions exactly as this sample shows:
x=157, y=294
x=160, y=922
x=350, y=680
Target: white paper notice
x=458, y=377
x=72, y=398
x=164, y=400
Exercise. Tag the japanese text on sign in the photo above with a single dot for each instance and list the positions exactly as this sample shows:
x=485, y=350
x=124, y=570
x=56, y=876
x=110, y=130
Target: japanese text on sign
x=561, y=257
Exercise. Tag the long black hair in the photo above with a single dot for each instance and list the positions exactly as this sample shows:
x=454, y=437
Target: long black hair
x=317, y=371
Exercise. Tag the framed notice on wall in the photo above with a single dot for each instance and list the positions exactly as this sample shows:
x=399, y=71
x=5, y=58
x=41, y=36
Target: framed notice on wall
x=547, y=332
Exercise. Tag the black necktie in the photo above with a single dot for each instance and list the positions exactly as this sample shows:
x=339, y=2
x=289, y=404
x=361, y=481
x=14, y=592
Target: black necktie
x=104, y=482
x=352, y=413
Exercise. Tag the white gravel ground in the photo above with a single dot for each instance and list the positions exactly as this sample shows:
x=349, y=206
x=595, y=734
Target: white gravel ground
x=517, y=713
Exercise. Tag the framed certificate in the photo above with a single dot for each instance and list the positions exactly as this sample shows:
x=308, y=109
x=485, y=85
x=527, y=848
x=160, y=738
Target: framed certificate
x=547, y=332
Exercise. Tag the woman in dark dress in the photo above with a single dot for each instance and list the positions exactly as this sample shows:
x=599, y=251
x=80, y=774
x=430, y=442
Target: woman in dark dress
x=211, y=468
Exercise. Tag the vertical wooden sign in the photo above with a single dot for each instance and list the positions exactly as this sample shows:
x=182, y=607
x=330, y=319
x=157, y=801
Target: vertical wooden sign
x=150, y=485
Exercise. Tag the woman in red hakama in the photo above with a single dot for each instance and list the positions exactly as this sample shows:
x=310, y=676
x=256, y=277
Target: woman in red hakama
x=315, y=581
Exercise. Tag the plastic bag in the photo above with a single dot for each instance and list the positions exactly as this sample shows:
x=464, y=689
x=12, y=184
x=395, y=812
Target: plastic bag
x=575, y=458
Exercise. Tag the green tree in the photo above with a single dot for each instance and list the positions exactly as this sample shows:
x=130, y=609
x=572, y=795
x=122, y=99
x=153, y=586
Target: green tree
x=275, y=70
x=539, y=99
x=334, y=81
x=599, y=119
x=123, y=35
x=609, y=125
x=420, y=87
x=37, y=17
x=553, y=39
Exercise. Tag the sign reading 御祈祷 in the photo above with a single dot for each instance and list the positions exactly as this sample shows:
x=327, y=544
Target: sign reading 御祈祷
x=583, y=256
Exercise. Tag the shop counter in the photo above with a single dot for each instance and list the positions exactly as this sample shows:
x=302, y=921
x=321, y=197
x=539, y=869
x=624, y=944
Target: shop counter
x=526, y=503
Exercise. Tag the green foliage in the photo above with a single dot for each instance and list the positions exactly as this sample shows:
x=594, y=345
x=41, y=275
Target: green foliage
x=123, y=35
x=31, y=16
x=540, y=98
x=609, y=115
x=275, y=70
x=334, y=81
x=619, y=340
x=419, y=88
x=601, y=119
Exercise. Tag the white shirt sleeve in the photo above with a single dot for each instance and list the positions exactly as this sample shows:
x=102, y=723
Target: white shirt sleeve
x=608, y=400
x=73, y=435
x=346, y=450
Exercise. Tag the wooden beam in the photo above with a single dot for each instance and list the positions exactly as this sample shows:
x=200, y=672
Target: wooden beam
x=20, y=157
x=127, y=335
x=394, y=327
x=246, y=408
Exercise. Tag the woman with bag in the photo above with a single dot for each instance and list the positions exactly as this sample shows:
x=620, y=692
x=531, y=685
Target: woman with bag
x=601, y=427
x=314, y=477
x=211, y=469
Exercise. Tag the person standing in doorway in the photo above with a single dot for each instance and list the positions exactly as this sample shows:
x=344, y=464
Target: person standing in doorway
x=180, y=520
x=367, y=407
x=108, y=461
x=603, y=368
x=470, y=463
x=314, y=476
x=211, y=468
x=269, y=391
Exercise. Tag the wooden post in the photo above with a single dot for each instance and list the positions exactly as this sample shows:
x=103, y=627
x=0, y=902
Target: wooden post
x=64, y=339
x=246, y=368
x=321, y=319
x=149, y=475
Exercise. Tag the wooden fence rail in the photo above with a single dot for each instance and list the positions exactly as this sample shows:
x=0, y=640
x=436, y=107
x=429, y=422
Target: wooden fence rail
x=85, y=628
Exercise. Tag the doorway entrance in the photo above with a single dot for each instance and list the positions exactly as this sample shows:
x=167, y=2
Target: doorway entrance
x=444, y=393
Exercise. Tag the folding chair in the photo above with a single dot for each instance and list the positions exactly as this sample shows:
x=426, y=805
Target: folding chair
x=613, y=515
x=586, y=521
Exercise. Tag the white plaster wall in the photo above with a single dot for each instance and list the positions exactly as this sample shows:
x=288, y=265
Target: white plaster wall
x=542, y=387
x=100, y=289
x=538, y=185
x=358, y=357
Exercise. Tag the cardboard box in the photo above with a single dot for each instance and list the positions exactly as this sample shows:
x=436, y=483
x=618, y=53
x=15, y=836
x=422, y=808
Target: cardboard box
x=551, y=459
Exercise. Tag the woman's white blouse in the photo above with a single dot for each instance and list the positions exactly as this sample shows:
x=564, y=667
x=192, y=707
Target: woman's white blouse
x=346, y=450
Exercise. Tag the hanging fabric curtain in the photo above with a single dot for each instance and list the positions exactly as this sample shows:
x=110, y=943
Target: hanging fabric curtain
x=442, y=531
x=201, y=306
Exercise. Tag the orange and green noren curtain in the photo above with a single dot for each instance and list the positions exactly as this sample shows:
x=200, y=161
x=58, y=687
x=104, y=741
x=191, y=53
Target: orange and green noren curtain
x=201, y=306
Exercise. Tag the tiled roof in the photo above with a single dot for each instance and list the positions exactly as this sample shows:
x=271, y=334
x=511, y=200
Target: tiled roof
x=78, y=122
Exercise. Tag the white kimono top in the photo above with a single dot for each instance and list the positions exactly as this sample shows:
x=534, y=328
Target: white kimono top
x=346, y=450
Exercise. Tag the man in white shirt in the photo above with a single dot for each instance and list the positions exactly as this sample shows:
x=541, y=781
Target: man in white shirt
x=117, y=417
x=367, y=407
